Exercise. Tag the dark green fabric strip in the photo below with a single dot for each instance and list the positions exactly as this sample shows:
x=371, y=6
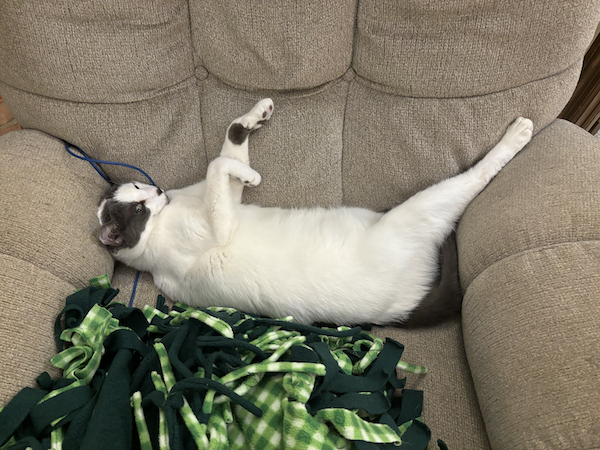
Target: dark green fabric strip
x=308, y=329
x=204, y=384
x=28, y=442
x=182, y=337
x=411, y=406
x=417, y=437
x=130, y=317
x=78, y=424
x=120, y=339
x=340, y=383
x=112, y=421
x=17, y=410
x=43, y=414
x=373, y=403
x=221, y=342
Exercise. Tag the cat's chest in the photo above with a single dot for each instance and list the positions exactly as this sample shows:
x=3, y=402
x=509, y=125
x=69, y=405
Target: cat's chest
x=178, y=239
x=184, y=222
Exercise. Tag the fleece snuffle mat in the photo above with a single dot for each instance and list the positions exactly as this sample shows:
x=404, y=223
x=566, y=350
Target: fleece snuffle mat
x=212, y=379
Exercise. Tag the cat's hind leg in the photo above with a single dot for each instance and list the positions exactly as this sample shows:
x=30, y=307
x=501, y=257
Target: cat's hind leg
x=444, y=300
x=411, y=234
x=236, y=138
x=436, y=209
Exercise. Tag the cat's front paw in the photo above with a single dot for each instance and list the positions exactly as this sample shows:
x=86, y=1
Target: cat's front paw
x=261, y=112
x=253, y=179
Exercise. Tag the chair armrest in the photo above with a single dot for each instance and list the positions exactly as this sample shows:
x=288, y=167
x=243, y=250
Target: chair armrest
x=529, y=252
x=48, y=248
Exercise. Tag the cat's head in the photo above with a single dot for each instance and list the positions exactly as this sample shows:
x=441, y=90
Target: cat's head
x=124, y=213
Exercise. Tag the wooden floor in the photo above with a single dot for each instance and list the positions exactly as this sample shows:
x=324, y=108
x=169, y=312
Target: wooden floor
x=7, y=121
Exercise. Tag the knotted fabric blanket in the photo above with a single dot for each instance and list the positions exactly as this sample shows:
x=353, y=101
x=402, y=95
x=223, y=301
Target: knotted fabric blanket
x=212, y=379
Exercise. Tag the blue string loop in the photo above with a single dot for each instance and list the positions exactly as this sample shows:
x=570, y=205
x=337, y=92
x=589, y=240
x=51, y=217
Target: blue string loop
x=94, y=163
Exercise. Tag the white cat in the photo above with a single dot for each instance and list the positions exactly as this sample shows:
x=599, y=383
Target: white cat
x=204, y=247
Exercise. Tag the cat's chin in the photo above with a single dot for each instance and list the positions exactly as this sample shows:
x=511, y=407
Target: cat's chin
x=157, y=204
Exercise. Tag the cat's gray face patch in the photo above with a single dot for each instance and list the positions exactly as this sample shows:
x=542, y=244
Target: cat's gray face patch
x=123, y=223
x=124, y=213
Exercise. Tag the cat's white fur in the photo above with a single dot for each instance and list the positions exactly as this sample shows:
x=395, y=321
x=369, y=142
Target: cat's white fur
x=204, y=247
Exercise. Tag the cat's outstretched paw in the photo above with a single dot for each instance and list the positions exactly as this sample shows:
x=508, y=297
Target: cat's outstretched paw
x=519, y=133
x=261, y=112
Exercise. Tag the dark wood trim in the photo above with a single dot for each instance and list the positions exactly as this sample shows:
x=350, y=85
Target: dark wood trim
x=584, y=107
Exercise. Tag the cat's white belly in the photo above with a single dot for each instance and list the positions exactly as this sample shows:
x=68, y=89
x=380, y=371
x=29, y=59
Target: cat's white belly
x=276, y=264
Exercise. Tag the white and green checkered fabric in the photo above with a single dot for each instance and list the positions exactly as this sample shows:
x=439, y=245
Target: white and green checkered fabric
x=223, y=380
x=281, y=390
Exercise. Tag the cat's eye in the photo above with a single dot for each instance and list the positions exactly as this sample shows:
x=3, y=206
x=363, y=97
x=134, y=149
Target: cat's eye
x=138, y=208
x=135, y=186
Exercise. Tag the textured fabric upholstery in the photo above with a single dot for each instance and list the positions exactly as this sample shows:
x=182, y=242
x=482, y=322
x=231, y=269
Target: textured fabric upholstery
x=39, y=179
x=460, y=48
x=374, y=100
x=411, y=143
x=531, y=268
x=47, y=206
x=113, y=52
x=277, y=46
x=152, y=131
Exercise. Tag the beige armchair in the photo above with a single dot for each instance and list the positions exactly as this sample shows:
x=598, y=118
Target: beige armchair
x=375, y=100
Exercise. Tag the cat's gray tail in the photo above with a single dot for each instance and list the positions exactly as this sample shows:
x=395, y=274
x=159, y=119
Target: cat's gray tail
x=445, y=298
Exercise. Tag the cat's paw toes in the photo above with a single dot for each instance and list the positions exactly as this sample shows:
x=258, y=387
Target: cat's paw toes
x=264, y=108
x=520, y=131
x=261, y=112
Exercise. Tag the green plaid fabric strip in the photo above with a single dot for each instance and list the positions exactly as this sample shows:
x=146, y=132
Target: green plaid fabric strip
x=411, y=368
x=301, y=430
x=83, y=359
x=220, y=379
x=352, y=427
x=250, y=431
x=375, y=348
x=216, y=324
x=56, y=439
x=102, y=282
x=163, y=432
x=140, y=422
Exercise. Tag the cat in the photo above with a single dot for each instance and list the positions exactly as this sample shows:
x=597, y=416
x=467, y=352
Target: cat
x=341, y=266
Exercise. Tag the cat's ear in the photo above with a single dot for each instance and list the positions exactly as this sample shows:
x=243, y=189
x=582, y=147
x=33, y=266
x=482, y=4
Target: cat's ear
x=109, y=234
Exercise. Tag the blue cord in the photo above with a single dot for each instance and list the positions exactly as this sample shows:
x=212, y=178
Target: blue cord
x=135, y=283
x=94, y=163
